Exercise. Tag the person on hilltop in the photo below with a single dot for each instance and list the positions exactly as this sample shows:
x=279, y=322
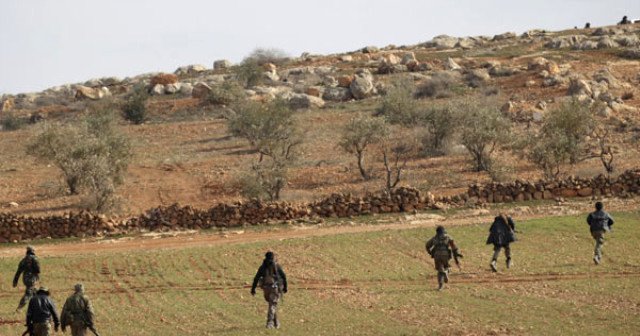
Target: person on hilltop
x=501, y=234
x=273, y=281
x=599, y=222
x=29, y=268
x=77, y=312
x=442, y=248
x=40, y=312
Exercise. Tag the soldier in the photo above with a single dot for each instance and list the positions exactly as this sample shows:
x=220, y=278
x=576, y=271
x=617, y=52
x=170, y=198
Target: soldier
x=29, y=267
x=599, y=223
x=624, y=21
x=441, y=248
x=77, y=312
x=501, y=234
x=40, y=313
x=274, y=283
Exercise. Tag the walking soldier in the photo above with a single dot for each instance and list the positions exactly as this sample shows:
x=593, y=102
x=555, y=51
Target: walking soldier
x=273, y=281
x=442, y=248
x=29, y=268
x=599, y=222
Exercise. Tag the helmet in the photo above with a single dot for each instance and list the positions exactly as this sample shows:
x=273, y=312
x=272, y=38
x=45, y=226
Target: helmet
x=599, y=206
x=79, y=287
x=31, y=250
x=440, y=229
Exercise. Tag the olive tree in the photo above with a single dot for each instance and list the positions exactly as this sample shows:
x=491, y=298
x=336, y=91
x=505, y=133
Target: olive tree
x=91, y=155
x=483, y=129
x=358, y=135
x=272, y=131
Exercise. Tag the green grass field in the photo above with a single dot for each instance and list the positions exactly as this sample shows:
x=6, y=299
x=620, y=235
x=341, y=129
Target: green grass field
x=379, y=283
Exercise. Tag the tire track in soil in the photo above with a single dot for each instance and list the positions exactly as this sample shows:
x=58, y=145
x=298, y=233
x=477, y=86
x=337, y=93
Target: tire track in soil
x=118, y=288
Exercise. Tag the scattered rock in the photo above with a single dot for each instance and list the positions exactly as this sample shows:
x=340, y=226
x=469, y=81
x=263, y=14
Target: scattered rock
x=442, y=42
x=304, y=101
x=362, y=85
x=193, y=69
x=450, y=64
x=370, y=50
x=409, y=58
x=83, y=92
x=157, y=90
x=337, y=94
x=221, y=64
x=201, y=90
x=345, y=81
x=578, y=87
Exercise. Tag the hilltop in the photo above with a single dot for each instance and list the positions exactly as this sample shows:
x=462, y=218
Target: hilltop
x=184, y=152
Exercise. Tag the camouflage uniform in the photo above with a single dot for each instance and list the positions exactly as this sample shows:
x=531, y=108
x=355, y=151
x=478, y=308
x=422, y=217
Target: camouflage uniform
x=40, y=312
x=441, y=248
x=77, y=312
x=29, y=268
x=599, y=222
x=273, y=282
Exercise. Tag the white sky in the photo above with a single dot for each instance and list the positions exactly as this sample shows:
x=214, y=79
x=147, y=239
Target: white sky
x=44, y=43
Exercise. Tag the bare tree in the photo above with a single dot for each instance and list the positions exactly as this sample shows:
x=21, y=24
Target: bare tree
x=396, y=150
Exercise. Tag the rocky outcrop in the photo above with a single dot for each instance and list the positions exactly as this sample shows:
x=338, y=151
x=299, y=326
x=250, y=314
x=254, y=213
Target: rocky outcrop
x=84, y=92
x=164, y=79
x=221, y=65
x=362, y=85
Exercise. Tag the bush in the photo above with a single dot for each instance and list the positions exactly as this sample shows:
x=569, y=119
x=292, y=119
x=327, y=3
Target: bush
x=263, y=56
x=398, y=105
x=396, y=150
x=10, y=122
x=272, y=130
x=440, y=85
x=249, y=73
x=441, y=123
x=562, y=139
x=91, y=154
x=225, y=94
x=265, y=181
x=483, y=129
x=135, y=109
x=358, y=135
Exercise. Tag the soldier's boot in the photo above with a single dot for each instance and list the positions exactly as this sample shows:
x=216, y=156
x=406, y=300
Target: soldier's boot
x=445, y=276
x=270, y=325
x=493, y=265
x=509, y=262
x=440, y=281
x=596, y=259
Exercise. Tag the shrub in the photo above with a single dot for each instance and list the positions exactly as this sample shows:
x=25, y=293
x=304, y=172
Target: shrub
x=91, y=154
x=482, y=130
x=264, y=181
x=268, y=55
x=440, y=85
x=11, y=122
x=398, y=105
x=441, y=123
x=396, y=150
x=249, y=73
x=358, y=135
x=562, y=138
x=135, y=109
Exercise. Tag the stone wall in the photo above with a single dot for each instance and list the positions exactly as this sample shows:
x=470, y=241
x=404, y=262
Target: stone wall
x=15, y=228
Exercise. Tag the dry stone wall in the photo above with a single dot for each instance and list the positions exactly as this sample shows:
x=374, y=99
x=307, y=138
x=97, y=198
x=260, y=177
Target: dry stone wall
x=14, y=228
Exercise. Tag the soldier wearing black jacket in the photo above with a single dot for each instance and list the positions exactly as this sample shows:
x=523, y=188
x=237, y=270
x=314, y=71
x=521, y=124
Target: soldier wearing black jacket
x=599, y=222
x=40, y=313
x=273, y=281
x=501, y=235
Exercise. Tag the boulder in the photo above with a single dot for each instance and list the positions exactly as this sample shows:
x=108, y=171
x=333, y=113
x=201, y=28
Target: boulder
x=157, y=90
x=345, y=58
x=442, y=42
x=164, y=79
x=466, y=43
x=190, y=69
x=337, y=94
x=304, y=101
x=450, y=64
x=408, y=58
x=477, y=77
x=200, y=90
x=172, y=88
x=606, y=42
x=579, y=87
x=362, y=85
x=586, y=45
x=503, y=71
x=628, y=40
x=221, y=64
x=330, y=81
x=504, y=36
x=186, y=89
x=84, y=92
x=111, y=81
x=563, y=42
x=370, y=50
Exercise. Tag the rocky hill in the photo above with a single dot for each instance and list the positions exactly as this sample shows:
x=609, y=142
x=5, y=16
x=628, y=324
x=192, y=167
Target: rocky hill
x=184, y=153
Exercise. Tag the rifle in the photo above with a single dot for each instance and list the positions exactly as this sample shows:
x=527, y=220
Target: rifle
x=29, y=330
x=93, y=329
x=457, y=255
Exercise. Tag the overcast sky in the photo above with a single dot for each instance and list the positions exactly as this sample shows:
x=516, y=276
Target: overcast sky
x=45, y=43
